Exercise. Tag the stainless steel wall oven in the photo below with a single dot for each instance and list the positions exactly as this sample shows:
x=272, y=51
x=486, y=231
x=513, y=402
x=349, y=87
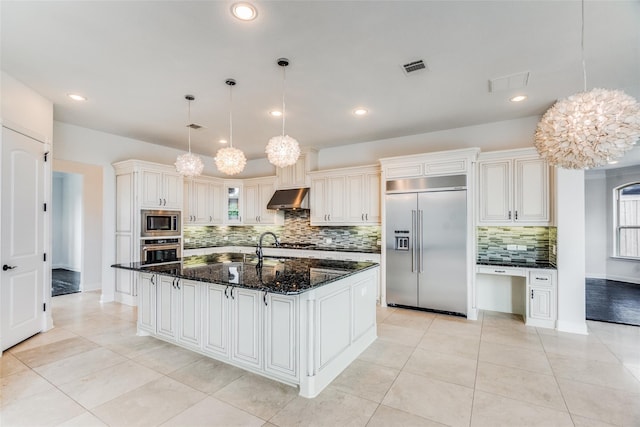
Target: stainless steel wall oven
x=157, y=251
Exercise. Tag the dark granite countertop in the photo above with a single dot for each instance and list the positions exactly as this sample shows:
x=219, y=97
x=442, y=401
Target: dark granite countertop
x=522, y=264
x=187, y=246
x=281, y=275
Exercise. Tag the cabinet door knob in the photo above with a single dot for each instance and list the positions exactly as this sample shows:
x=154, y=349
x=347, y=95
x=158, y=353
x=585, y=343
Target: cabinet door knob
x=160, y=203
x=531, y=293
x=516, y=216
x=210, y=218
x=509, y=214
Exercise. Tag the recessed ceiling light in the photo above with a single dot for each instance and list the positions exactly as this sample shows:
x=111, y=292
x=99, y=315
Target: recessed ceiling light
x=275, y=113
x=360, y=111
x=244, y=11
x=223, y=141
x=76, y=97
x=518, y=98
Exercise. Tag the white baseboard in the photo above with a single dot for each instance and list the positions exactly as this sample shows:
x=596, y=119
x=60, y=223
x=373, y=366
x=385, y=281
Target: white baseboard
x=635, y=280
x=573, y=327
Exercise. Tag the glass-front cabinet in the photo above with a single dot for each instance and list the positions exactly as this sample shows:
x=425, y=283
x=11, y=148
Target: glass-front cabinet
x=233, y=214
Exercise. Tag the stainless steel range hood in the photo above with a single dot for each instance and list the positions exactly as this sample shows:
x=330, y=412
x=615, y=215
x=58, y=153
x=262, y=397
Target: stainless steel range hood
x=295, y=198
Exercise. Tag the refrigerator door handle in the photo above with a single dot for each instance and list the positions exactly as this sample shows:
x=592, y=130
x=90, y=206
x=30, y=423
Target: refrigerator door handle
x=420, y=242
x=413, y=244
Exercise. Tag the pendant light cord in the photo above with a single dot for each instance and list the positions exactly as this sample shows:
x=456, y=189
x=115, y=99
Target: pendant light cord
x=230, y=115
x=584, y=65
x=189, y=124
x=284, y=67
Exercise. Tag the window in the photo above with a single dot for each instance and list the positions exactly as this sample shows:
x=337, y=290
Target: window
x=628, y=220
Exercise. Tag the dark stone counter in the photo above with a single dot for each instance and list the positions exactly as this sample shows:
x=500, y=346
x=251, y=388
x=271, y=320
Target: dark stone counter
x=497, y=263
x=277, y=274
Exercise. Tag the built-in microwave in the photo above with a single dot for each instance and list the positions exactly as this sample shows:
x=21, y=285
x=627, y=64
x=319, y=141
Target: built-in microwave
x=156, y=223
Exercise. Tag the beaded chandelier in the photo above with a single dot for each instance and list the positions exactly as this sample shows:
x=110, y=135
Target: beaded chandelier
x=588, y=129
x=230, y=160
x=189, y=164
x=283, y=150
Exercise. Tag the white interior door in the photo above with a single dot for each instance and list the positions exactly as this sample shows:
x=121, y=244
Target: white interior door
x=22, y=247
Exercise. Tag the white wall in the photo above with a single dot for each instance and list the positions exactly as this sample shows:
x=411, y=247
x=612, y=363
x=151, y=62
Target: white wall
x=596, y=224
x=619, y=269
x=490, y=137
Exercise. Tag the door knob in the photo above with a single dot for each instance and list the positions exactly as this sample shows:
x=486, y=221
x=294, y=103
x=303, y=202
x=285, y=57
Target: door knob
x=8, y=267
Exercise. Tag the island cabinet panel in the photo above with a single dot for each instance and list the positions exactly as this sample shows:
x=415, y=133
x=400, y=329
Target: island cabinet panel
x=246, y=327
x=189, y=326
x=216, y=321
x=281, y=330
x=363, y=298
x=334, y=314
x=147, y=302
x=166, y=295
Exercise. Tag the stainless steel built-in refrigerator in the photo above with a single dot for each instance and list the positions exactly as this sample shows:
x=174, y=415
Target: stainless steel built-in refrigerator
x=426, y=243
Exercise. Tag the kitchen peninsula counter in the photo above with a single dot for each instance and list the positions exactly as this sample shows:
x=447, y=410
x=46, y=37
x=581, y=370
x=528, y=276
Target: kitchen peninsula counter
x=295, y=320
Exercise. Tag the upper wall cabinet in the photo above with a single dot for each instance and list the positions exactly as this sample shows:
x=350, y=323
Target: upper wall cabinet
x=296, y=176
x=161, y=187
x=203, y=201
x=349, y=196
x=257, y=193
x=514, y=188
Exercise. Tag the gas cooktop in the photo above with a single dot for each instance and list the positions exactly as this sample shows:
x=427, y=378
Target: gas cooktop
x=289, y=245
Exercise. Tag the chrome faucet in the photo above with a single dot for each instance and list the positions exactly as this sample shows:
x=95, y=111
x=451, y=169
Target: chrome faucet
x=259, y=248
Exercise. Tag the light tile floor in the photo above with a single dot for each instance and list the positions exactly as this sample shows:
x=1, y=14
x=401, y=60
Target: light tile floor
x=424, y=370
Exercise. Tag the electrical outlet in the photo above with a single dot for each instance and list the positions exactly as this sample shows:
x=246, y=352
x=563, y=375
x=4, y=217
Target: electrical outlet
x=522, y=248
x=225, y=238
x=553, y=249
x=187, y=240
x=254, y=238
x=378, y=242
x=512, y=247
x=327, y=240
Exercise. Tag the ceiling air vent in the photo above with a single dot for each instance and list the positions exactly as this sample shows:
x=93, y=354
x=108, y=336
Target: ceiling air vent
x=412, y=67
x=194, y=126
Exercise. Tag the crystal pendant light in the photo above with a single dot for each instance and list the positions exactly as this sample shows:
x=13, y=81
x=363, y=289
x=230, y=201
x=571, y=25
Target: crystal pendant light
x=189, y=164
x=230, y=160
x=588, y=129
x=282, y=150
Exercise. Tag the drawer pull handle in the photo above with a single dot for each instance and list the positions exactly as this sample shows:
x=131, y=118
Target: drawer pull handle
x=542, y=278
x=531, y=293
x=499, y=271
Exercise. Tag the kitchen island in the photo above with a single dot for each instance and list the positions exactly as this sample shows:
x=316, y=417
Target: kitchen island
x=296, y=320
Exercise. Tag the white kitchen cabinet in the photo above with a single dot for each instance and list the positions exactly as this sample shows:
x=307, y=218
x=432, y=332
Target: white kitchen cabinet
x=257, y=193
x=203, y=201
x=514, y=190
x=233, y=209
x=363, y=196
x=349, y=196
x=246, y=327
x=161, y=188
x=216, y=320
x=189, y=306
x=281, y=343
x=147, y=302
x=295, y=176
x=542, y=298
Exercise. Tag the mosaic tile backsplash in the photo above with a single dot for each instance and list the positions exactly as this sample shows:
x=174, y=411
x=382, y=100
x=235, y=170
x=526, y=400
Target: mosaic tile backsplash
x=296, y=229
x=539, y=241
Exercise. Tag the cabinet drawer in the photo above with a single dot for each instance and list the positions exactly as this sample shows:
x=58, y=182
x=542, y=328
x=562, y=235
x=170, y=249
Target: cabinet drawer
x=503, y=271
x=542, y=278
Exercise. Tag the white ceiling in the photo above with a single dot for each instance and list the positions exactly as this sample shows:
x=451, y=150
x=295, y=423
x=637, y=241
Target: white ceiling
x=135, y=61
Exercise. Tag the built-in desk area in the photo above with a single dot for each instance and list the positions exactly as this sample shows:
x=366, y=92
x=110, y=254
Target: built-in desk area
x=527, y=289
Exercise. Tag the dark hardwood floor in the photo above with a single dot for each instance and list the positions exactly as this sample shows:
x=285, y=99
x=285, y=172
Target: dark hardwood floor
x=64, y=282
x=614, y=302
